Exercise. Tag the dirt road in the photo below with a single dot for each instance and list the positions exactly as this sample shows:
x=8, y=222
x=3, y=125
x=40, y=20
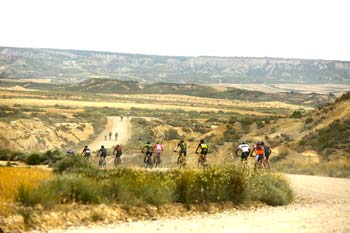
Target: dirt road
x=323, y=205
x=114, y=124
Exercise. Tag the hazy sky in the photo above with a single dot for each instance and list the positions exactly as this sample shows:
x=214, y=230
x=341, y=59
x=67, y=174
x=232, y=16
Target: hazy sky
x=273, y=28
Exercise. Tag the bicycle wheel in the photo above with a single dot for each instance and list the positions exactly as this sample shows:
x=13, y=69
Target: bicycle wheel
x=104, y=163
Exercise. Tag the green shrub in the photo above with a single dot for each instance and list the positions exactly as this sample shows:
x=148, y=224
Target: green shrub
x=35, y=159
x=131, y=187
x=60, y=190
x=9, y=155
x=71, y=163
x=296, y=114
x=211, y=185
x=271, y=189
x=171, y=134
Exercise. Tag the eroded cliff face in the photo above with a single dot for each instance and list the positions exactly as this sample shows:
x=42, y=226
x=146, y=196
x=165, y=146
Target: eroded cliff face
x=35, y=135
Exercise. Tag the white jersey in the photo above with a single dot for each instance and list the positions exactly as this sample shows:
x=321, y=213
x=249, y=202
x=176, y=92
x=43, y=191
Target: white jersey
x=243, y=147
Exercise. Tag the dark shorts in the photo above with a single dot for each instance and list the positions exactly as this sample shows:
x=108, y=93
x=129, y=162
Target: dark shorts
x=259, y=157
x=183, y=152
x=244, y=155
x=267, y=157
x=148, y=153
x=119, y=153
x=204, y=152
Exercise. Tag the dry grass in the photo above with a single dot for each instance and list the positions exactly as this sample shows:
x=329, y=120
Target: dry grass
x=12, y=178
x=47, y=102
x=275, y=88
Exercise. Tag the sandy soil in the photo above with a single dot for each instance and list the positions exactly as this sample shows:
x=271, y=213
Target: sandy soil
x=323, y=205
x=114, y=124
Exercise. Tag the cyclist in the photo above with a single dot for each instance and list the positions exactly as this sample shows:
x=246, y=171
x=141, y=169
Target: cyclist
x=158, y=149
x=121, y=118
x=116, y=136
x=267, y=154
x=102, y=152
x=110, y=135
x=183, y=150
x=86, y=152
x=148, y=150
x=245, y=149
x=259, y=152
x=204, y=149
x=70, y=152
x=118, y=151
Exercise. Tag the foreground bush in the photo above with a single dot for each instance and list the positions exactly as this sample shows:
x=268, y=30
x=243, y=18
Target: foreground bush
x=132, y=187
x=272, y=189
x=60, y=190
x=211, y=185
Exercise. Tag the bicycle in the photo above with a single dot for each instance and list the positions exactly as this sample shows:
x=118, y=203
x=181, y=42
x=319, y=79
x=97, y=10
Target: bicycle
x=202, y=161
x=157, y=160
x=181, y=160
x=102, y=162
x=148, y=163
x=117, y=161
x=244, y=165
x=259, y=167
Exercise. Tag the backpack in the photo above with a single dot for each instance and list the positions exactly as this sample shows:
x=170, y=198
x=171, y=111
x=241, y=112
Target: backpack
x=267, y=150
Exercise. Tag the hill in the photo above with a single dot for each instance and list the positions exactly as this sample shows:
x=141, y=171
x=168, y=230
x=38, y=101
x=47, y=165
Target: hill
x=68, y=65
x=134, y=87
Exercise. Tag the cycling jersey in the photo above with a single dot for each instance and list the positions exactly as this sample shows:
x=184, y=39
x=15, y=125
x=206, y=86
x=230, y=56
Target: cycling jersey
x=158, y=148
x=244, y=147
x=183, y=146
x=259, y=150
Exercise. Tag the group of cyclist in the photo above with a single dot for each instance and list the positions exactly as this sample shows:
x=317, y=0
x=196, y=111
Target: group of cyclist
x=148, y=150
x=261, y=152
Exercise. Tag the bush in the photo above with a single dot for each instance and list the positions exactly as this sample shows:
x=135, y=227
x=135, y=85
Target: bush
x=296, y=114
x=211, y=185
x=171, y=134
x=35, y=159
x=271, y=189
x=71, y=163
x=9, y=155
x=61, y=189
x=132, y=187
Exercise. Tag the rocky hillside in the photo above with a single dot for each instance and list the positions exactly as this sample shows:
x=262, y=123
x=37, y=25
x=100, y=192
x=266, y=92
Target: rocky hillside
x=65, y=65
x=324, y=132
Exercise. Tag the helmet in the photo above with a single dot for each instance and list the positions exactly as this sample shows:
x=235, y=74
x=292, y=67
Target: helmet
x=102, y=146
x=148, y=142
x=202, y=140
x=86, y=146
x=182, y=140
x=243, y=142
